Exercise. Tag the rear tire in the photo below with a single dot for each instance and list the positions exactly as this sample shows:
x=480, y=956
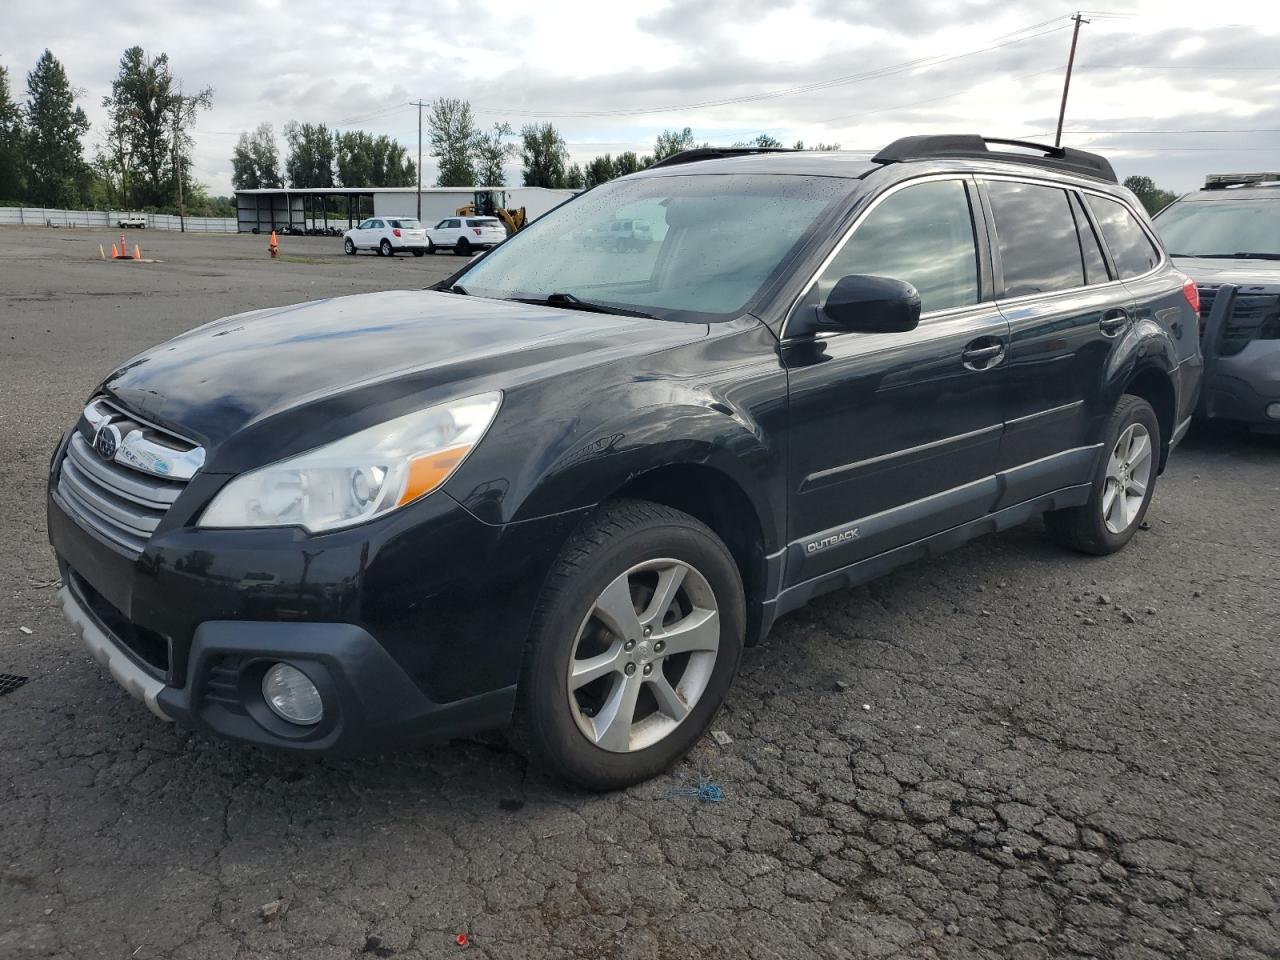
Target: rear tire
x=418, y=253
x=1123, y=484
x=665, y=668
x=384, y=248
x=463, y=247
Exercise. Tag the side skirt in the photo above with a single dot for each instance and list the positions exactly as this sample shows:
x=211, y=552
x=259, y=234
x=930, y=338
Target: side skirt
x=855, y=574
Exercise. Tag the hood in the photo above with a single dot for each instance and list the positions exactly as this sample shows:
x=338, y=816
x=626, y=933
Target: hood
x=215, y=381
x=1242, y=272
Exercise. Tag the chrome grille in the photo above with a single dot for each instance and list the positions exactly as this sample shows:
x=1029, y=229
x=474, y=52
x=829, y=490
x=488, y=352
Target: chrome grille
x=122, y=497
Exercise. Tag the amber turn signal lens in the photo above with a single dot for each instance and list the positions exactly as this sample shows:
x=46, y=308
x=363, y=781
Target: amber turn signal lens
x=428, y=471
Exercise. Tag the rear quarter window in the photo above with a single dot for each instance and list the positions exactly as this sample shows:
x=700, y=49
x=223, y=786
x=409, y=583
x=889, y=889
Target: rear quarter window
x=1131, y=249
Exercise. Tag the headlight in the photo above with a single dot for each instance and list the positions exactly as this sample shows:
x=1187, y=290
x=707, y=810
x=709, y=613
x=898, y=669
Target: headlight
x=358, y=477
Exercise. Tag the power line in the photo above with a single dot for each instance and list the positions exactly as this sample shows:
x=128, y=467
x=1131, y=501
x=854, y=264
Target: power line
x=1188, y=130
x=946, y=96
x=878, y=73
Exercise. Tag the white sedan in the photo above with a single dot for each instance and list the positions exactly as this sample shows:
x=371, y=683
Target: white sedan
x=387, y=236
x=462, y=235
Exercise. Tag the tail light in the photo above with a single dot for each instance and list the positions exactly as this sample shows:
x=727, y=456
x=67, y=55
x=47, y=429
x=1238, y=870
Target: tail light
x=476, y=231
x=1192, y=293
x=396, y=232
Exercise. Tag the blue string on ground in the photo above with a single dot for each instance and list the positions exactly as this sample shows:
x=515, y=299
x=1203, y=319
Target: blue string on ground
x=706, y=792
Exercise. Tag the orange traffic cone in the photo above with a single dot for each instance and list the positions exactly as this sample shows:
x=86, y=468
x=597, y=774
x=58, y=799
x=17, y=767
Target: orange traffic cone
x=274, y=246
x=137, y=252
x=115, y=254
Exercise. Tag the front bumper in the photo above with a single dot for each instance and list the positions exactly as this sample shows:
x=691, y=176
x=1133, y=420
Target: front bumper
x=1241, y=387
x=412, y=627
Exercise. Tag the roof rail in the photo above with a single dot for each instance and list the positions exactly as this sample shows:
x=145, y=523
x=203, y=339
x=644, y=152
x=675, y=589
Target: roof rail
x=1220, y=181
x=972, y=146
x=714, y=153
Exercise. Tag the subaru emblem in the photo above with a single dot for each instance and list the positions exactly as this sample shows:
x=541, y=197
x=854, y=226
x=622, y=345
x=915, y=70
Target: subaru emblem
x=106, y=442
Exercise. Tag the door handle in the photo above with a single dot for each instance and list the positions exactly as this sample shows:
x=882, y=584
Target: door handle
x=1113, y=321
x=983, y=358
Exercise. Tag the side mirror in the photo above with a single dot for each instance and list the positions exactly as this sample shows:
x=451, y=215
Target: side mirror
x=864, y=304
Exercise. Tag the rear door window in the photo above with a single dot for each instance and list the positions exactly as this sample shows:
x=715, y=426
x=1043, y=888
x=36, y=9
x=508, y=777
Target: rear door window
x=922, y=234
x=1131, y=249
x=1039, y=247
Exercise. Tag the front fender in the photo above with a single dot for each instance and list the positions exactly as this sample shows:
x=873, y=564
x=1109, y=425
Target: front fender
x=718, y=403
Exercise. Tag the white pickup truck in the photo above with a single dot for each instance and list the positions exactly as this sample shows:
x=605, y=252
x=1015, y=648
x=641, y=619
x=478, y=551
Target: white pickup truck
x=133, y=220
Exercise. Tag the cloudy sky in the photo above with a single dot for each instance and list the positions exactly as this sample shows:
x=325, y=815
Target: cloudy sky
x=1167, y=88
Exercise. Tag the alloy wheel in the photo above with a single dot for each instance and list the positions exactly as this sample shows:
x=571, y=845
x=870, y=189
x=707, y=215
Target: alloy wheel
x=1128, y=476
x=644, y=655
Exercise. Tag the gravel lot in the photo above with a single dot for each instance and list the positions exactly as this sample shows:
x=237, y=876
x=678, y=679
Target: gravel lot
x=1009, y=752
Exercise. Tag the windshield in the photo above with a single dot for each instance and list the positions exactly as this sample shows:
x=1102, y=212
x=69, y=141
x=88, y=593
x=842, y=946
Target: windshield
x=696, y=248
x=1221, y=228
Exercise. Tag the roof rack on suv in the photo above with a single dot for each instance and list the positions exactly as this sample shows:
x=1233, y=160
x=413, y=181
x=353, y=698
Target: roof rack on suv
x=974, y=146
x=714, y=153
x=1220, y=181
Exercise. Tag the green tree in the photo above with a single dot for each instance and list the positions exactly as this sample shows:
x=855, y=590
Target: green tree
x=600, y=170
x=367, y=161
x=763, y=141
x=255, y=162
x=626, y=163
x=493, y=152
x=574, y=178
x=149, y=120
x=10, y=142
x=455, y=141
x=671, y=142
x=545, y=155
x=311, y=154
x=52, y=152
x=825, y=147
x=1152, y=197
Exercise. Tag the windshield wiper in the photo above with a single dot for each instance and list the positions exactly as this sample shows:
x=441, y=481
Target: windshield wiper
x=571, y=302
x=458, y=288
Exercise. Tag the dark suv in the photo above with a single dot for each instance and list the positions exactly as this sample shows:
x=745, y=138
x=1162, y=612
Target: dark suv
x=1227, y=238
x=562, y=490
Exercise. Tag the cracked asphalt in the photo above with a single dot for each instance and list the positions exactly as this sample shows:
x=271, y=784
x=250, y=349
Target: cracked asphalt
x=1011, y=751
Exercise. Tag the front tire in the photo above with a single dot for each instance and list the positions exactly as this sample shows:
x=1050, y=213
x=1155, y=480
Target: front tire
x=635, y=642
x=349, y=246
x=431, y=247
x=1123, y=483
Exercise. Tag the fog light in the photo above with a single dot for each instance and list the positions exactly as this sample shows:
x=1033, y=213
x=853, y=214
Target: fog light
x=291, y=696
x=1273, y=411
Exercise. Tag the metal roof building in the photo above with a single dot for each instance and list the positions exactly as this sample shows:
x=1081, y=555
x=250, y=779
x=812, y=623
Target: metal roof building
x=272, y=208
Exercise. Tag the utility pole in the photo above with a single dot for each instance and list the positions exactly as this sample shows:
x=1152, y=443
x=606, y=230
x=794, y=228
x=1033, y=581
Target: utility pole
x=419, y=105
x=177, y=167
x=1066, y=83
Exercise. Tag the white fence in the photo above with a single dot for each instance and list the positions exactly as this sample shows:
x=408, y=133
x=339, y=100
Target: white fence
x=40, y=217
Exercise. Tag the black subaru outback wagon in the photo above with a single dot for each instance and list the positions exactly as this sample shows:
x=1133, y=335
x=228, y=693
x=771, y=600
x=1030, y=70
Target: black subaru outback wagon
x=562, y=490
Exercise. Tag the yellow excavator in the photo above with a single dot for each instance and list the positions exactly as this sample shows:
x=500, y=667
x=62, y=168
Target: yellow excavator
x=493, y=203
